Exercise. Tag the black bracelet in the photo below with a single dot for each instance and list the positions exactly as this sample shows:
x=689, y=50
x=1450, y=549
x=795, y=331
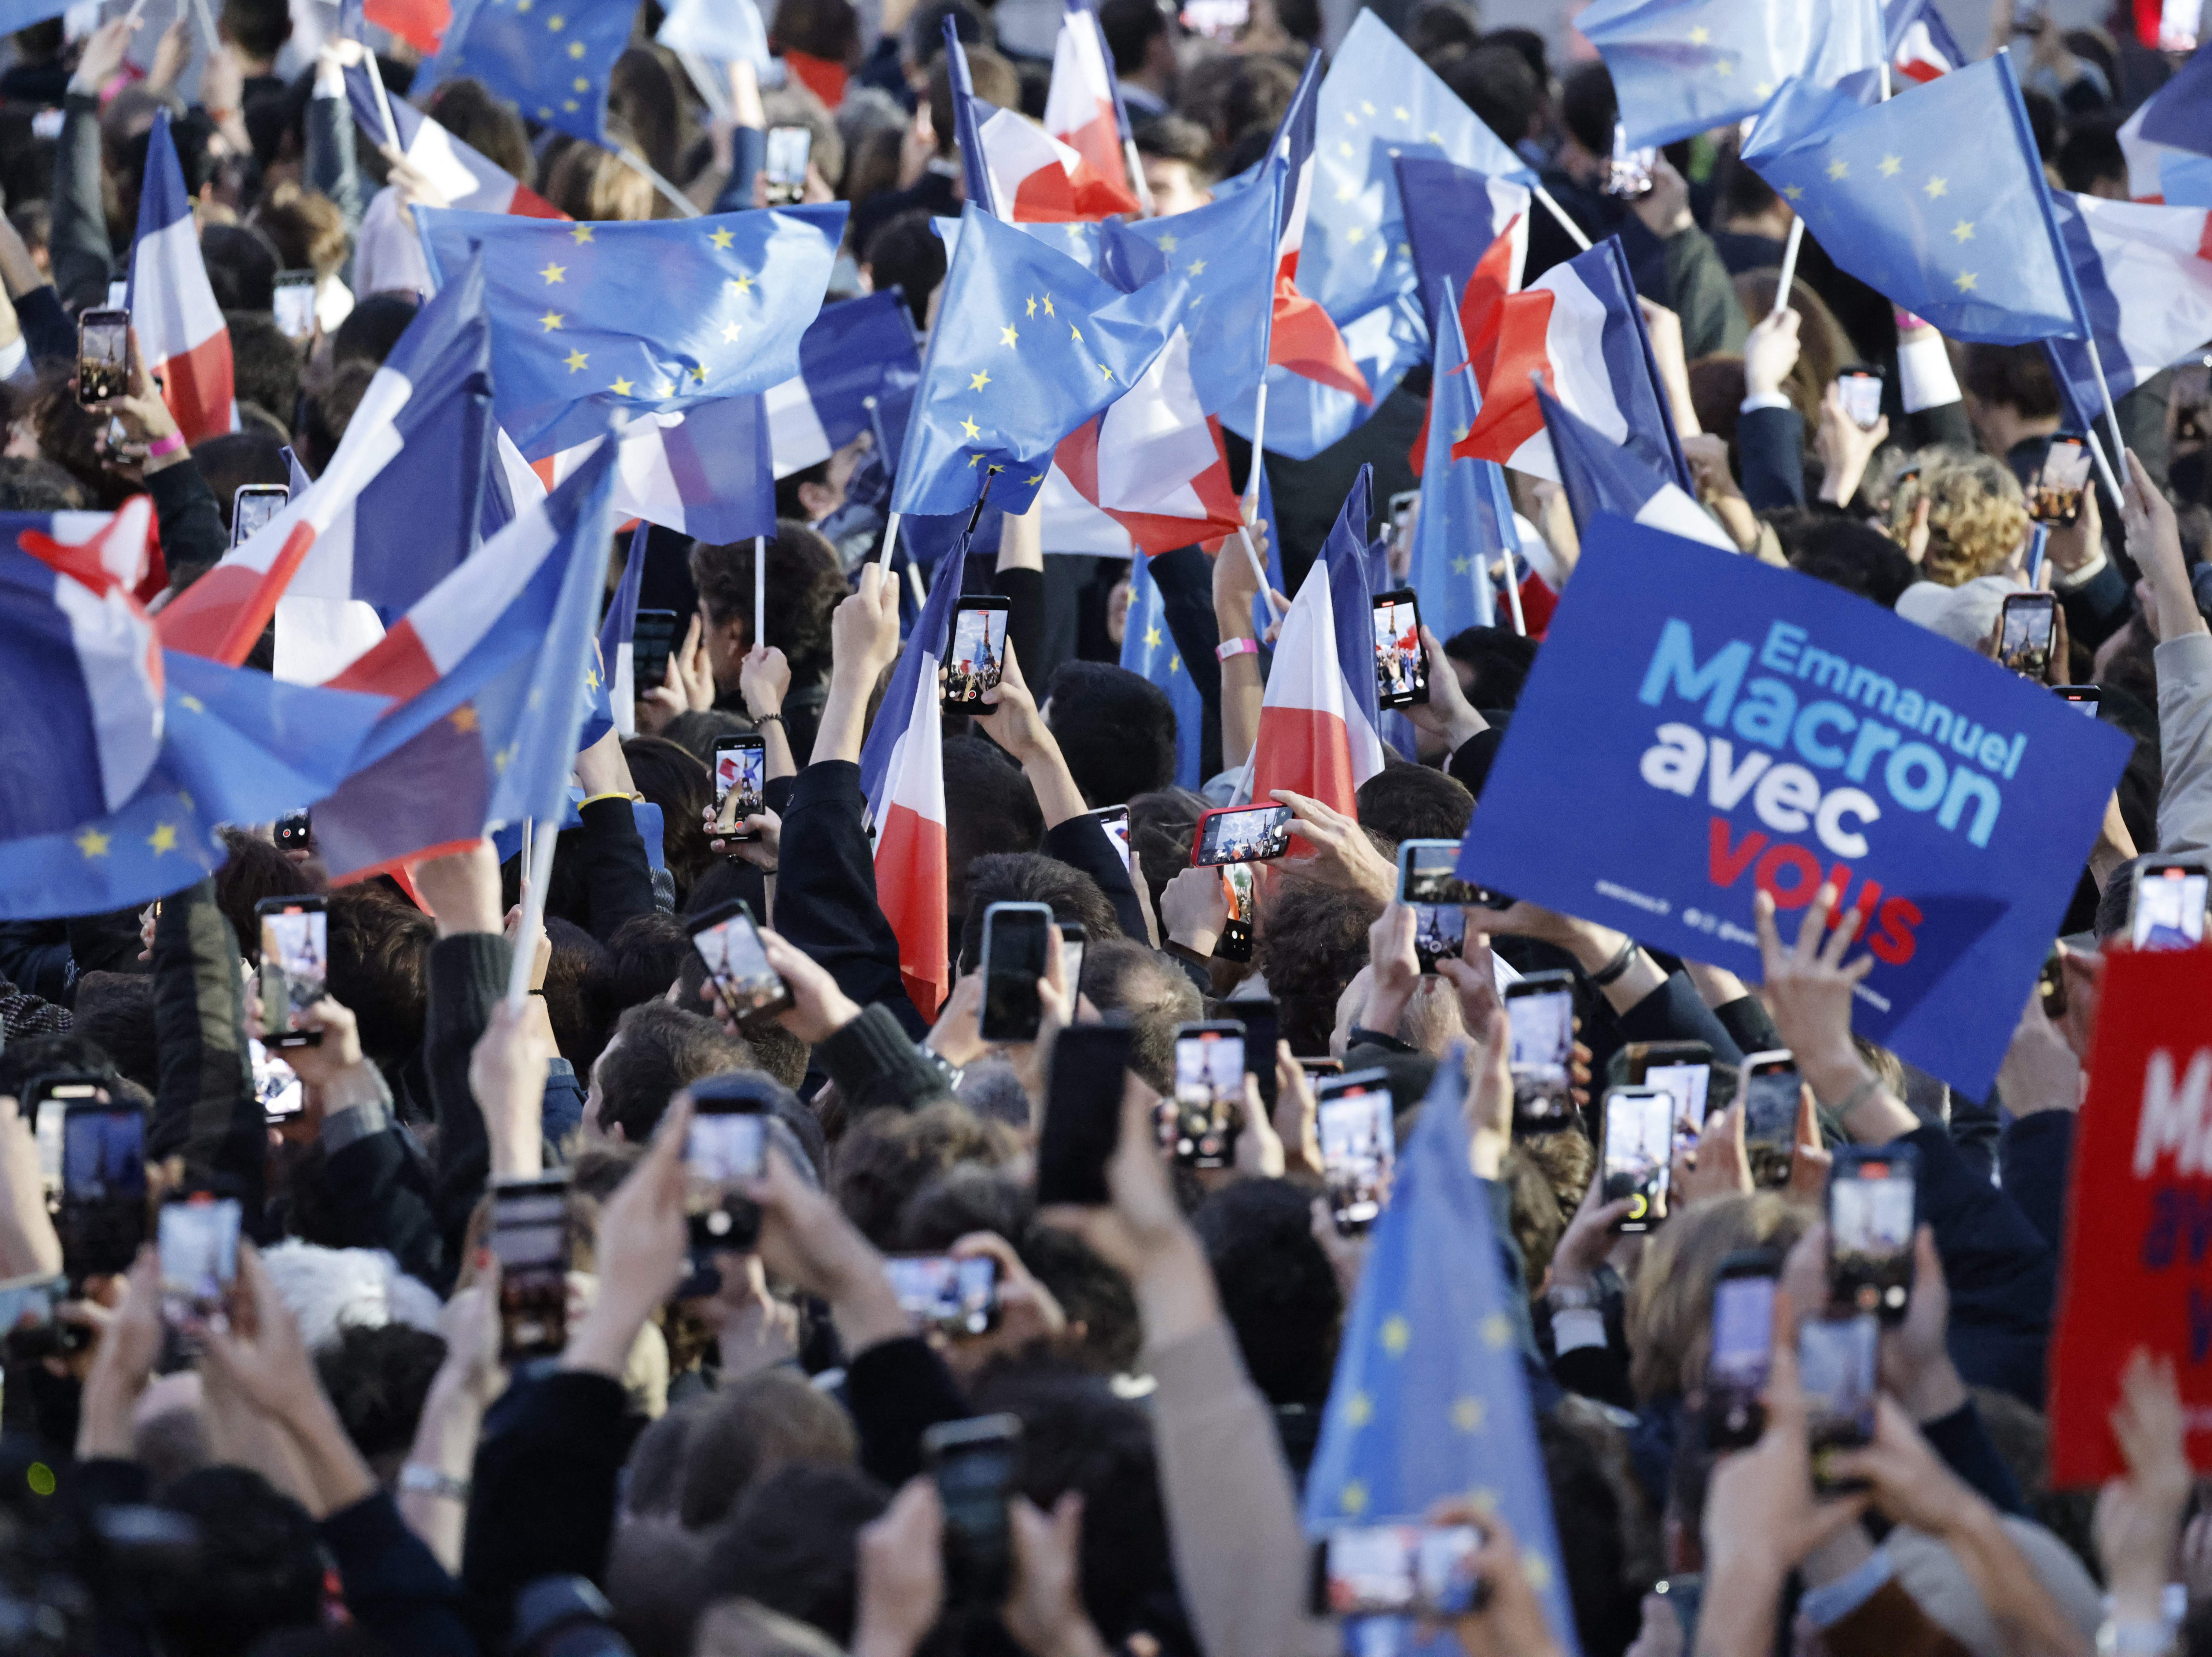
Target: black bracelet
x=1618, y=966
x=770, y=718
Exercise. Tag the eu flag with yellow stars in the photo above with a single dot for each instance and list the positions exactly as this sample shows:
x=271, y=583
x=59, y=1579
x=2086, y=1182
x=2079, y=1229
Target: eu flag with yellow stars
x=1027, y=345
x=1149, y=648
x=592, y=324
x=550, y=58
x=1430, y=1399
x=1936, y=199
x=1682, y=66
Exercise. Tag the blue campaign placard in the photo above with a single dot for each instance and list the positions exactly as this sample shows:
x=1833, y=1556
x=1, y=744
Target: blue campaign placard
x=1699, y=726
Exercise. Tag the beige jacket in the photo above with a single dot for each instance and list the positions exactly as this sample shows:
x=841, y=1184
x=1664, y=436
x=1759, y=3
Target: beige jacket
x=2184, y=734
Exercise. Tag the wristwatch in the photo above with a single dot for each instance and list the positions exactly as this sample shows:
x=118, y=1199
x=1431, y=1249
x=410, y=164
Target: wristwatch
x=1566, y=1298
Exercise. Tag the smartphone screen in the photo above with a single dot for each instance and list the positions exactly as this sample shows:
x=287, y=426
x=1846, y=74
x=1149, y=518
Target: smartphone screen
x=1639, y=1144
x=2026, y=631
x=28, y=1328
x=1836, y=1361
x=1114, y=820
x=1871, y=1212
x=296, y=965
x=977, y=656
x=1742, y=1354
x=2088, y=697
x=2054, y=494
x=1082, y=1113
x=722, y=1150
x=198, y=1243
x=1234, y=943
x=2168, y=911
x=252, y=505
x=651, y=640
x=1242, y=834
x=1859, y=387
x=1197, y=1126
x=103, y=355
x=1263, y=1030
x=1770, y=1095
x=973, y=1463
x=740, y=777
x=529, y=1238
x=1401, y=667
x=952, y=1297
x=1683, y=1070
x=294, y=304
x=1401, y=1570
x=1355, y=1125
x=784, y=168
x=751, y=990
x=1628, y=172
x=1425, y=873
x=1014, y=943
x=275, y=1083
x=103, y=1210
x=1439, y=933
x=1540, y=1012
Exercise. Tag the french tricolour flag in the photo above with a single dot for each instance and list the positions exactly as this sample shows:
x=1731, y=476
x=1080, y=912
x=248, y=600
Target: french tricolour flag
x=858, y=369
x=468, y=179
x=705, y=471
x=1305, y=339
x=1080, y=108
x=1319, y=725
x=2168, y=141
x=102, y=551
x=2145, y=273
x=1017, y=171
x=1600, y=475
x=181, y=329
x=1920, y=44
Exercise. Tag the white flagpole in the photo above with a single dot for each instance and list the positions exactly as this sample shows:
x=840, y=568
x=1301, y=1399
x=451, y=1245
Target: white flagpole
x=2104, y=466
x=760, y=592
x=1790, y=263
x=714, y=93
x=2112, y=415
x=383, y=101
x=675, y=197
x=890, y=538
x=1513, y=597
x=1145, y=209
x=1573, y=230
x=533, y=909
x=1252, y=502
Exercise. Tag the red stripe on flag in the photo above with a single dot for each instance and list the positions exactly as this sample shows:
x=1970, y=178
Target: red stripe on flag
x=1306, y=341
x=418, y=22
x=397, y=665
x=220, y=615
x=1098, y=141
x=910, y=877
x=529, y=204
x=1053, y=196
x=1306, y=751
x=197, y=385
x=1509, y=415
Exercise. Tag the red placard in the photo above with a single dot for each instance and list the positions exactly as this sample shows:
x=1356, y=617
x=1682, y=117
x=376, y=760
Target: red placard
x=2138, y=1267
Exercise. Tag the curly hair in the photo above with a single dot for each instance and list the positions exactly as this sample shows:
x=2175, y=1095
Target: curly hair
x=805, y=584
x=1311, y=943
x=1976, y=515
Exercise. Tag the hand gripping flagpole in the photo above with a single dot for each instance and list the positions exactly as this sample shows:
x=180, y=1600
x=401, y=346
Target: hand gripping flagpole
x=1251, y=503
x=537, y=841
x=1789, y=262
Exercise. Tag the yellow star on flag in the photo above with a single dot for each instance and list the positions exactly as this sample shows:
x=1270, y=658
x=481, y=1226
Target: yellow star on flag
x=591, y=678
x=500, y=760
x=556, y=22
x=463, y=718
x=93, y=843
x=1074, y=334
x=1106, y=371
x=699, y=375
x=1048, y=305
x=731, y=330
x=1497, y=1332
x=1467, y=1414
x=1353, y=1497
x=1839, y=169
x=1964, y=230
x=722, y=238
x=970, y=429
x=1345, y=192
x=1007, y=335
x=163, y=839
x=575, y=360
x=1366, y=107
x=1402, y=114
x=742, y=283
x=553, y=272
x=1151, y=638
x=621, y=387
x=1397, y=1334
x=580, y=234
x=979, y=380
x=193, y=704
x=1723, y=67
x=1537, y=1569
x=1197, y=268
x=1358, y=1409
x=1935, y=187
x=1795, y=191
x=1169, y=244
x=1964, y=281
x=1700, y=35
x=1890, y=165
x=1463, y=566
x=1354, y=234
x=1351, y=117
x=1175, y=663
x=576, y=48
x=550, y=321
x=581, y=84
x=663, y=388
x=1032, y=310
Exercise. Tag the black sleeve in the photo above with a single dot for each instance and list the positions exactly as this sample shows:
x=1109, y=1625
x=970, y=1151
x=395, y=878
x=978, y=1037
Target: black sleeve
x=1185, y=579
x=1082, y=843
x=1597, y=1372
x=1023, y=590
x=34, y=956
x=1770, y=447
x=896, y=1390
x=394, y=1586
x=1747, y=1022
x=2098, y=607
x=825, y=891
x=877, y=1066
x=1964, y=1443
x=1675, y=1012
x=193, y=539
x=205, y=1110
x=378, y=1195
x=617, y=880
x=2001, y=1272
x=1944, y=424
x=2034, y=1155
x=109, y=943
x=468, y=976
x=46, y=329
x=81, y=256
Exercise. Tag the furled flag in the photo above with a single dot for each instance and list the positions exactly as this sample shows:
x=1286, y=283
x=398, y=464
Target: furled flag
x=1577, y=327
x=703, y=472
x=182, y=337
x=1465, y=519
x=121, y=547
x=1469, y=230
x=722, y=31
x=2145, y=276
x=1082, y=107
x=1319, y=725
x=1920, y=44
x=552, y=61
x=1430, y=1397
x=399, y=507
x=1378, y=100
x=1936, y=199
x=1018, y=172
x=858, y=369
x=614, y=686
x=1600, y=475
x=2167, y=142
x=596, y=323
x=903, y=778
x=1149, y=648
x=110, y=796
x=1028, y=346
x=1681, y=67
x=490, y=675
x=466, y=178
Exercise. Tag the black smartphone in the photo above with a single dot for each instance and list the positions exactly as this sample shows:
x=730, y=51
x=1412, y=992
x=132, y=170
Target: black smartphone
x=1355, y=1124
x=46, y=1098
x=740, y=779
x=1198, y=1124
x=1263, y=1030
x=102, y=1219
x=1409, y=1569
x=652, y=638
x=1540, y=1014
x=1439, y=934
x=29, y=1330
x=198, y=1243
x=1015, y=937
x=1074, y=944
x=296, y=968
x=1769, y=1092
x=783, y=170
x=294, y=831
x=1684, y=1069
x=1319, y=1070
x=1241, y=833
x=1628, y=169
x=530, y=1240
x=975, y=1463
x=1742, y=1348
x=949, y=1295
x=2051, y=983
x=2086, y=697
x=1114, y=820
x=293, y=303
x=2168, y=909
x=751, y=991
x=1427, y=873
x=1638, y=1150
x=1873, y=1207
x=724, y=1148
x=1082, y=1114
x=1836, y=1360
x=103, y=355
x=977, y=655
x=1401, y=667
x=1239, y=896
x=2027, y=628
x=2054, y=494
x=252, y=505
x=1859, y=385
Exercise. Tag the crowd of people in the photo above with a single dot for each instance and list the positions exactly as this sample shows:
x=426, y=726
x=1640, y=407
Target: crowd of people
x=745, y=1445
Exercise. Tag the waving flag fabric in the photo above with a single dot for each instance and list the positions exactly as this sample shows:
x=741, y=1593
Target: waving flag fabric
x=593, y=323
x=1080, y=107
x=858, y=369
x=1152, y=463
x=1936, y=199
x=2145, y=276
x=1599, y=476
x=1469, y=230
x=2179, y=115
x=1920, y=44
x=722, y=31
x=1018, y=171
x=552, y=60
x=2175, y=168
x=181, y=333
x=1320, y=729
x=704, y=472
x=1465, y=519
x=467, y=178
x=614, y=686
x=101, y=550
x=1149, y=648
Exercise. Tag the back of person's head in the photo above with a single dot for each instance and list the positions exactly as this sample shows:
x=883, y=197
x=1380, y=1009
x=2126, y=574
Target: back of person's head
x=309, y=230
x=468, y=111
x=116, y=1011
x=1440, y=31
x=745, y=1627
x=906, y=253
x=642, y=959
x=2090, y=160
x=589, y=183
x=259, y=28
x=1414, y=802
x=1499, y=658
x=28, y=484
x=828, y=29
x=573, y=963
x=27, y=1057
x=1496, y=82
x=329, y=411
x=770, y=1419
x=374, y=325
x=792, y=1543
x=966, y=1198
x=1032, y=877
x=242, y=267
x=241, y=458
x=1531, y=47
x=1311, y=941
x=924, y=38
x=1670, y=1306
x=805, y=584
x=377, y=1379
x=695, y=731
x=380, y=968
x=887, y=1155
x=1743, y=193
x=265, y=364
x=1125, y=979
x=642, y=95
x=1174, y=138
x=677, y=780
x=995, y=82
x=775, y=1049
x=1586, y=1510
x=2016, y=377
x=1161, y=827
x=655, y=1050
x=1847, y=553
x=1130, y=27
x=69, y=435
x=1277, y=1290
x=1588, y=107
x=1116, y=730
x=1534, y=1210
x=1258, y=94
x=259, y=1566
x=990, y=809
x=1976, y=515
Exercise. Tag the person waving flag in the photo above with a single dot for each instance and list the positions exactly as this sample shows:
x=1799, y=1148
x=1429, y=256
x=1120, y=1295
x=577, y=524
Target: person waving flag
x=182, y=336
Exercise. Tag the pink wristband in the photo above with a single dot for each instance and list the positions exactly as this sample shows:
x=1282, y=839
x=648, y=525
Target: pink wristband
x=166, y=445
x=1230, y=647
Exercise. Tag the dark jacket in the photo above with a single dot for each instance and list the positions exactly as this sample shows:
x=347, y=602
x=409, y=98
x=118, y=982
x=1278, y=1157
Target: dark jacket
x=82, y=257
x=394, y=1586
x=190, y=520
x=825, y=891
x=205, y=1110
x=1770, y=448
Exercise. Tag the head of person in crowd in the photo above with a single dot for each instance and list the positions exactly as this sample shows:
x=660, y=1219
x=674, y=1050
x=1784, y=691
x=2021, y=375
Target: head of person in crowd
x=237, y=458
x=805, y=584
x=589, y=183
x=2011, y=397
x=1414, y=802
x=1140, y=39
x=329, y=411
x=1177, y=157
x=1441, y=32
x=888, y=1155
x=995, y=82
x=907, y=253
x=990, y=811
x=1115, y=728
x=265, y=365
x=1846, y=553
x=1496, y=82
x=1032, y=877
x=677, y=780
x=811, y=493
x=1976, y=514
x=1491, y=664
x=656, y=1049
x=29, y=484
x=1127, y=979
x=371, y=329
x=1162, y=825
x=1311, y=943
x=241, y=265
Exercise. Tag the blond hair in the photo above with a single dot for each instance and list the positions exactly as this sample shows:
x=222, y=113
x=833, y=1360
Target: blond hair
x=1670, y=1306
x=1976, y=515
